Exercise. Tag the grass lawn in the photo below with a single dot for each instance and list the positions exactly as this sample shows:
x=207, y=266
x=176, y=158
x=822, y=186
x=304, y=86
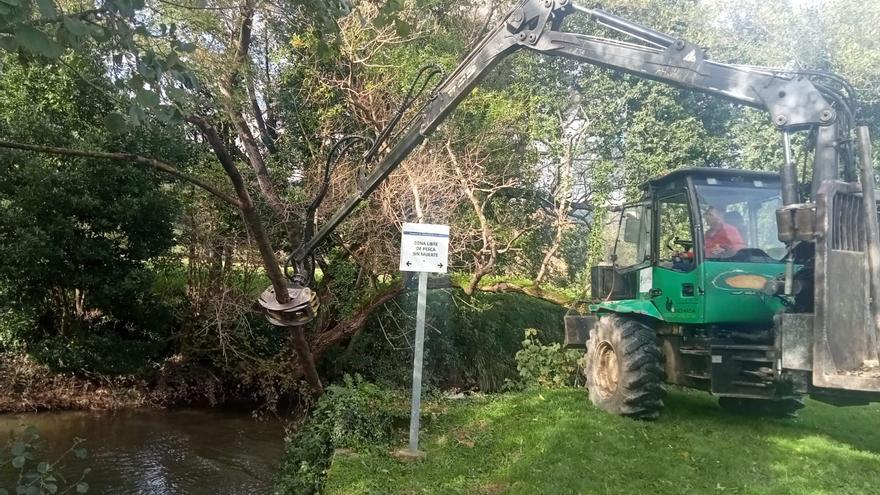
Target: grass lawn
x=556, y=442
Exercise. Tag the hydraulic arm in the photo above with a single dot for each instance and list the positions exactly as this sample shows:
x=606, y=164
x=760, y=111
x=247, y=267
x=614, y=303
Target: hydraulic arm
x=793, y=100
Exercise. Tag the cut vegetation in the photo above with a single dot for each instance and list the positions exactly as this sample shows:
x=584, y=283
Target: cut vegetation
x=555, y=442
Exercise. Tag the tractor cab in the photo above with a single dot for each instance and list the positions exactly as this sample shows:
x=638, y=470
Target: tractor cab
x=699, y=248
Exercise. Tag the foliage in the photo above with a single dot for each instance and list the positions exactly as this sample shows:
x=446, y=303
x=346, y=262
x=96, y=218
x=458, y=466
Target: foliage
x=143, y=54
x=20, y=459
x=356, y=414
x=99, y=351
x=554, y=441
x=470, y=341
x=549, y=366
x=15, y=325
x=76, y=233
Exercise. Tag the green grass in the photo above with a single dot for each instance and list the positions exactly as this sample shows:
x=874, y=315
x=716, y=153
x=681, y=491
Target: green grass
x=555, y=442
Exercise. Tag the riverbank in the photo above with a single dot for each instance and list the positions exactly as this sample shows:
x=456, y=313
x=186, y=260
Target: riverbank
x=554, y=441
x=27, y=386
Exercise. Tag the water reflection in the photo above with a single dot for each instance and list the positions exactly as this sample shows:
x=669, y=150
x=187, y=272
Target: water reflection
x=162, y=452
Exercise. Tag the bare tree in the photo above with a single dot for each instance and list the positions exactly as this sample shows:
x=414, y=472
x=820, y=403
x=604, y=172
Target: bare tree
x=480, y=189
x=559, y=204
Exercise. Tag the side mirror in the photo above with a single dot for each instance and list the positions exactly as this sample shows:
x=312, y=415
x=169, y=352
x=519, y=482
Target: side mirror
x=632, y=228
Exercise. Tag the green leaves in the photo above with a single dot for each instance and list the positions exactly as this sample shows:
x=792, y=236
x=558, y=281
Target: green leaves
x=147, y=98
x=388, y=15
x=136, y=115
x=185, y=47
x=116, y=123
x=18, y=449
x=38, y=28
x=168, y=113
x=8, y=43
x=7, y=6
x=47, y=8
x=126, y=7
x=37, y=41
x=75, y=26
x=82, y=487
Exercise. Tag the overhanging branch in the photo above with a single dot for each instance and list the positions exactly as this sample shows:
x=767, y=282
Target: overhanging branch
x=154, y=163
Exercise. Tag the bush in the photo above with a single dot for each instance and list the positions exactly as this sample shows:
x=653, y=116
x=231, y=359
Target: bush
x=16, y=324
x=357, y=414
x=102, y=352
x=470, y=341
x=548, y=365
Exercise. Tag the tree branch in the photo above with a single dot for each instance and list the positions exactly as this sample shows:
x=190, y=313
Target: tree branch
x=228, y=86
x=251, y=217
x=127, y=157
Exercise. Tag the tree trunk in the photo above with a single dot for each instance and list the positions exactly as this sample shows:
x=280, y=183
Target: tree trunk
x=307, y=359
x=264, y=245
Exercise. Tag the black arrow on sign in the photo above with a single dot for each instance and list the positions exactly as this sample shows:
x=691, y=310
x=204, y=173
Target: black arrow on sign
x=408, y=263
x=439, y=265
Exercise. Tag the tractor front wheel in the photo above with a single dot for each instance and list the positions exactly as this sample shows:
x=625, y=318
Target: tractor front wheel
x=623, y=372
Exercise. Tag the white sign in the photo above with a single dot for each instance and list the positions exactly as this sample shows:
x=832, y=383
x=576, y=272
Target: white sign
x=424, y=247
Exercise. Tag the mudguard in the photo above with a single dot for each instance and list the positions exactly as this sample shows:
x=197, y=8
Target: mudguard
x=628, y=306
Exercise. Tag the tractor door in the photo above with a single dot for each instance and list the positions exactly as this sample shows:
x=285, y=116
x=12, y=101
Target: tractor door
x=621, y=280
x=675, y=290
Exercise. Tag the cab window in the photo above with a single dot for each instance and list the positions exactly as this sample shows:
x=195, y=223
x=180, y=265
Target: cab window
x=739, y=221
x=633, y=246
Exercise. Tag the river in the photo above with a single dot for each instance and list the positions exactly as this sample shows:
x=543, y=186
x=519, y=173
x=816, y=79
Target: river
x=158, y=452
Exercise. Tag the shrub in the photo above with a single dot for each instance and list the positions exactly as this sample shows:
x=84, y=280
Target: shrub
x=470, y=341
x=548, y=365
x=16, y=324
x=356, y=414
x=102, y=352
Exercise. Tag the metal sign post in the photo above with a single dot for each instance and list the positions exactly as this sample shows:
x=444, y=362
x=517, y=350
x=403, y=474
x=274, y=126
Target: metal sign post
x=414, y=412
x=424, y=248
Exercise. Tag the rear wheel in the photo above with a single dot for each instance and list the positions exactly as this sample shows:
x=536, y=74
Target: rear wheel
x=623, y=371
x=783, y=408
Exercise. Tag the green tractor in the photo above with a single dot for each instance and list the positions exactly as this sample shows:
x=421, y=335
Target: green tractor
x=702, y=293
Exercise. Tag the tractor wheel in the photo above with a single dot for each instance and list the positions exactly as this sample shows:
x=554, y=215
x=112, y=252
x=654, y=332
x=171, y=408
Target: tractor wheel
x=784, y=408
x=623, y=370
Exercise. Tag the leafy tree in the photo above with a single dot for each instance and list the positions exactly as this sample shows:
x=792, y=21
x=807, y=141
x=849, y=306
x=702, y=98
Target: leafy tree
x=76, y=232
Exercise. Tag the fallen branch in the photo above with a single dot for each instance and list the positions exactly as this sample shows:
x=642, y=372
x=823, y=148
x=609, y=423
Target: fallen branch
x=529, y=290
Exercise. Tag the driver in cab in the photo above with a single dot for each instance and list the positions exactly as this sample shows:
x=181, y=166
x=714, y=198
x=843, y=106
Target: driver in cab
x=722, y=240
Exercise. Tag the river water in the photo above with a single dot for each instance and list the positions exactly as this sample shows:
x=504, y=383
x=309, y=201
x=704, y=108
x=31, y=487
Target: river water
x=158, y=452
